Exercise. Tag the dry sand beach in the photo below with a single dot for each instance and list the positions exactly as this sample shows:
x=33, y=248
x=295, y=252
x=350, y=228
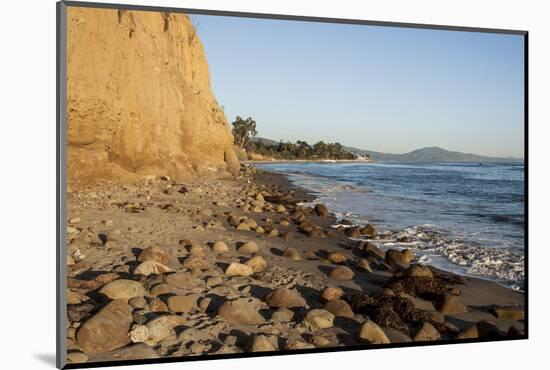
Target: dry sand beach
x=166, y=268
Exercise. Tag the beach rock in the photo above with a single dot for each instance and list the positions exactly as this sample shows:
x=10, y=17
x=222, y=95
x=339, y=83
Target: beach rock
x=331, y=293
x=368, y=230
x=260, y=230
x=284, y=298
x=155, y=253
x=76, y=357
x=319, y=319
x=316, y=233
x=321, y=210
x=295, y=344
x=363, y=264
x=426, y=332
x=408, y=254
x=139, y=334
x=279, y=208
x=220, y=247
x=75, y=297
x=319, y=341
x=282, y=315
x=342, y=273
x=451, y=305
x=508, y=313
x=371, y=333
x=284, y=223
x=470, y=333
x=260, y=343
x=257, y=263
x=162, y=327
x=487, y=329
x=107, y=330
x=181, y=280
x=195, y=263
x=372, y=250
x=151, y=268
x=353, y=232
x=182, y=304
x=337, y=257
x=240, y=312
x=514, y=331
x=397, y=260
x=238, y=269
x=419, y=271
x=160, y=289
x=138, y=302
x=339, y=308
x=196, y=250
x=131, y=352
x=249, y=247
x=157, y=305
x=243, y=226
x=123, y=289
x=292, y=253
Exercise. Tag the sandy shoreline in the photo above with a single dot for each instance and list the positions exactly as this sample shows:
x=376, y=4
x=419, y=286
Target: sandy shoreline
x=192, y=296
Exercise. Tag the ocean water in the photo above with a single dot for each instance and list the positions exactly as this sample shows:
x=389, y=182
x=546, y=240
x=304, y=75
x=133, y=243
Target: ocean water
x=467, y=218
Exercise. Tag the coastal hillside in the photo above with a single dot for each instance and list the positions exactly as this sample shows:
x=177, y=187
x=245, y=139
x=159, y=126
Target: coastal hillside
x=430, y=154
x=139, y=99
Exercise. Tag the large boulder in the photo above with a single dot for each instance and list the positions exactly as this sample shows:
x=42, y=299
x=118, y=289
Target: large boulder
x=240, y=312
x=106, y=330
x=123, y=289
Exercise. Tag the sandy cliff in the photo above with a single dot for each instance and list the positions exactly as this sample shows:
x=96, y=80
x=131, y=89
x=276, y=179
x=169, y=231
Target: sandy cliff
x=139, y=98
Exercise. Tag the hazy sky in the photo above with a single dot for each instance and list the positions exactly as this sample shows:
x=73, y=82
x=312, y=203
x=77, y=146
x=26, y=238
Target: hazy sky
x=377, y=88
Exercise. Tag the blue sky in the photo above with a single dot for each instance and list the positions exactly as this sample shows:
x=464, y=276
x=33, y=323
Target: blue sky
x=377, y=88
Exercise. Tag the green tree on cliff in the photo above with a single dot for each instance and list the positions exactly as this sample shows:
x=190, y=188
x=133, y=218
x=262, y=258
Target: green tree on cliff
x=243, y=131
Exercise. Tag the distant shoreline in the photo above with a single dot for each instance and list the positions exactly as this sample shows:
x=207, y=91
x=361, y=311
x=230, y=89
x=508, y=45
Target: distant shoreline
x=310, y=161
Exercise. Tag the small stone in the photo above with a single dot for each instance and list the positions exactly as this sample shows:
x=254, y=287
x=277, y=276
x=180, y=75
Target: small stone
x=331, y=293
x=427, y=332
x=470, y=333
x=260, y=343
x=257, y=263
x=162, y=327
x=319, y=319
x=248, y=248
x=419, y=271
x=75, y=297
x=157, y=305
x=292, y=253
x=196, y=250
x=368, y=230
x=363, y=264
x=137, y=302
x=339, y=308
x=342, y=273
x=204, y=304
x=155, y=253
x=282, y=315
x=151, y=268
x=321, y=210
x=298, y=344
x=260, y=230
x=279, y=208
x=195, y=263
x=243, y=226
x=240, y=312
x=353, y=232
x=76, y=357
x=182, y=280
x=107, y=330
x=508, y=313
x=220, y=247
x=337, y=257
x=284, y=223
x=238, y=269
x=371, y=333
x=160, y=289
x=182, y=304
x=74, y=220
x=123, y=289
x=285, y=298
x=319, y=341
x=139, y=334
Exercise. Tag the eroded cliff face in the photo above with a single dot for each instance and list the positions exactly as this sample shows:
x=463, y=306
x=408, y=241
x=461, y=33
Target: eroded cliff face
x=139, y=99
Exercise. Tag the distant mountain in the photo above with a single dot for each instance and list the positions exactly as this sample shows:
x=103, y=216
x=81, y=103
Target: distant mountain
x=431, y=154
